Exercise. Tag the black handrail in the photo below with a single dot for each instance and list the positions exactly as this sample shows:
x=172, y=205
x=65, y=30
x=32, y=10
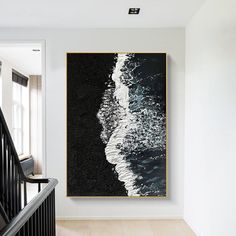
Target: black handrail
x=17, y=161
x=3, y=214
x=36, y=218
x=22, y=218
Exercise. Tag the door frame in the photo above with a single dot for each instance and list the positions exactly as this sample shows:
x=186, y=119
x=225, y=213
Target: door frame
x=43, y=63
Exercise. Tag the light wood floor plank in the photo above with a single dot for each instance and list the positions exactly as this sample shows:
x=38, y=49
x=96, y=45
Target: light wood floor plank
x=123, y=228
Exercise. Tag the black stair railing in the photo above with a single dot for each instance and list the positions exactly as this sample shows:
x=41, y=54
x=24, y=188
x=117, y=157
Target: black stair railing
x=36, y=218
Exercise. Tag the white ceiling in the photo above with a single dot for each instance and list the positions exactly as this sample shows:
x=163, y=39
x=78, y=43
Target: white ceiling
x=22, y=57
x=96, y=13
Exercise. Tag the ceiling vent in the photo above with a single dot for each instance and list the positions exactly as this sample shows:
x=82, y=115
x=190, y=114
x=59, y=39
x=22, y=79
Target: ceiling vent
x=134, y=11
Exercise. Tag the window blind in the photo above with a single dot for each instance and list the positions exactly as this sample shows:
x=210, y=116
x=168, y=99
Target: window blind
x=19, y=78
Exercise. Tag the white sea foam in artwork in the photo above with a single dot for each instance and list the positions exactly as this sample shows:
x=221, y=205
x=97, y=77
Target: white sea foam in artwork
x=112, y=152
x=125, y=123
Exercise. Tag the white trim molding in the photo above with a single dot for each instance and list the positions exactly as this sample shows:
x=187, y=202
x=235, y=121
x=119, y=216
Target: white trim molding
x=177, y=217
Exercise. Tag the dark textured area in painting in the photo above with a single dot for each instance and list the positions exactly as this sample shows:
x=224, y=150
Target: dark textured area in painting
x=133, y=115
x=145, y=77
x=88, y=171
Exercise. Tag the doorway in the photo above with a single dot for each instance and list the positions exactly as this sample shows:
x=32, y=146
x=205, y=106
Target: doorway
x=22, y=83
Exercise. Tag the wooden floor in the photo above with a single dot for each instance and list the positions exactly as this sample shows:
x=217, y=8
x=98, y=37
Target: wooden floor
x=124, y=228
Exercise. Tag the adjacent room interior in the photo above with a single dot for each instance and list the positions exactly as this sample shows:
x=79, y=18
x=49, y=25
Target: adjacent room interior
x=21, y=100
x=117, y=118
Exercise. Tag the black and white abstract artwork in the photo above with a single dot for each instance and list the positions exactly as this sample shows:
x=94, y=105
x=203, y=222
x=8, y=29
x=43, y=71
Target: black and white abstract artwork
x=116, y=124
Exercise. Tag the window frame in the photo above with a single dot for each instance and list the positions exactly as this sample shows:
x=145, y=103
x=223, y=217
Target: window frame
x=20, y=113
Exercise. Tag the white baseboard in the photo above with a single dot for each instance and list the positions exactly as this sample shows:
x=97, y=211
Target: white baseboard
x=119, y=218
x=191, y=227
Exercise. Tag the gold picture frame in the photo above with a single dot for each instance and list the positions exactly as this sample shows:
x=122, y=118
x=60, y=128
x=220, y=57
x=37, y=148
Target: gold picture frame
x=167, y=157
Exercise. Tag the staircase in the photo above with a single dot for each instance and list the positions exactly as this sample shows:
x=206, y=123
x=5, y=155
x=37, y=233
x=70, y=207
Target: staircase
x=17, y=215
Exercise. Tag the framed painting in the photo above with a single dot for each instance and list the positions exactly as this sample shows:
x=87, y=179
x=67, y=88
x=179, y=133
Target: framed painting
x=117, y=125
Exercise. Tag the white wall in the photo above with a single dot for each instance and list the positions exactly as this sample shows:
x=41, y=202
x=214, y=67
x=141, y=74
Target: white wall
x=6, y=89
x=210, y=161
x=6, y=95
x=58, y=42
x=35, y=100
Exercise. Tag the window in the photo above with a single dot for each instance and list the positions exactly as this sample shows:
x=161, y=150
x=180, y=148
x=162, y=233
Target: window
x=19, y=115
x=17, y=112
